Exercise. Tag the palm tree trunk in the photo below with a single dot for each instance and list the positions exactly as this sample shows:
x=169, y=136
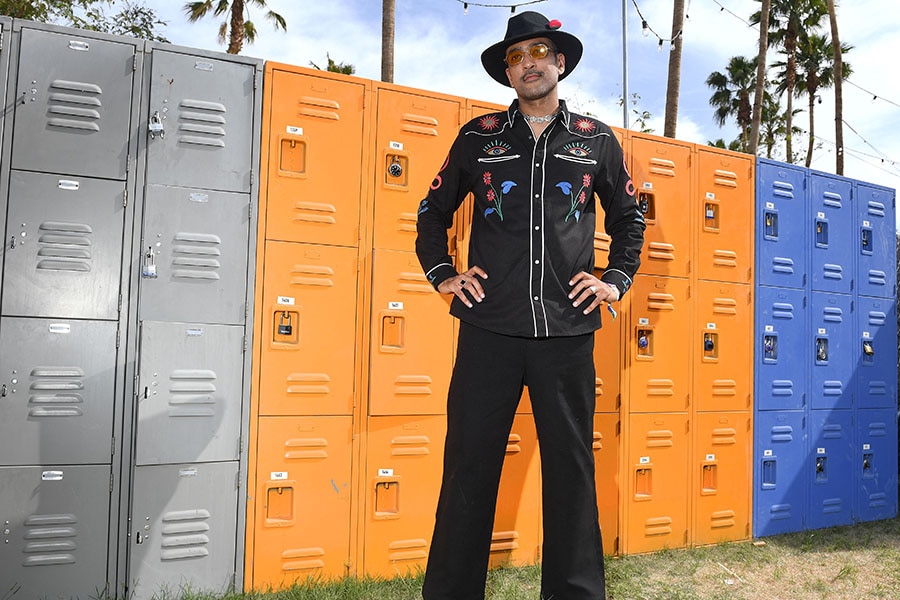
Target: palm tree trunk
x=791, y=47
x=236, y=31
x=674, y=83
x=760, y=75
x=812, y=129
x=387, y=40
x=838, y=90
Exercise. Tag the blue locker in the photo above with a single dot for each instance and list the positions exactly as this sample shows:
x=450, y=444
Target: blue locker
x=781, y=230
x=780, y=480
x=876, y=460
x=876, y=364
x=830, y=465
x=831, y=208
x=876, y=242
x=781, y=349
x=834, y=351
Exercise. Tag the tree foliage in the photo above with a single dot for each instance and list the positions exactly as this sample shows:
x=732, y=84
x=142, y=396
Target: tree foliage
x=236, y=28
x=133, y=19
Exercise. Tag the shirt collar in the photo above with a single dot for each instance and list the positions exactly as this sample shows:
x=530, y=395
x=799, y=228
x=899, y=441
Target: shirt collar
x=564, y=113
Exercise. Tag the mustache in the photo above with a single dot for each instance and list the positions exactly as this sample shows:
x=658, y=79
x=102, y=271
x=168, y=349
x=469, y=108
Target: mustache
x=532, y=72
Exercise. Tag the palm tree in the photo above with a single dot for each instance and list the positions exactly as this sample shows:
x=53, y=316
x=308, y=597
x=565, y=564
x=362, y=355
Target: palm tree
x=235, y=29
x=674, y=83
x=838, y=90
x=788, y=19
x=761, y=61
x=731, y=94
x=815, y=69
x=387, y=40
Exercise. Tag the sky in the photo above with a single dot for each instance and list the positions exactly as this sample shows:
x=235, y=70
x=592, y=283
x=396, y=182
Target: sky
x=438, y=44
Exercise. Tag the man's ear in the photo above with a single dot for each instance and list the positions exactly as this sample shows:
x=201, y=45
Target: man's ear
x=508, y=76
x=561, y=62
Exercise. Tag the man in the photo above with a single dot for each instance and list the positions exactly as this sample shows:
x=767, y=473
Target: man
x=529, y=304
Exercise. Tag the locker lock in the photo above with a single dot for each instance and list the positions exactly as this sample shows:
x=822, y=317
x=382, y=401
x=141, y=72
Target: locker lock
x=821, y=349
x=395, y=169
x=643, y=341
x=868, y=348
x=156, y=127
x=284, y=324
x=708, y=343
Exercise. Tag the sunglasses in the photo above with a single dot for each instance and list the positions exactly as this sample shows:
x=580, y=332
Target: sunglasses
x=537, y=52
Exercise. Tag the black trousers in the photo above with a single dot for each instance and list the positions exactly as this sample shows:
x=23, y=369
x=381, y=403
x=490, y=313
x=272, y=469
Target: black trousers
x=487, y=382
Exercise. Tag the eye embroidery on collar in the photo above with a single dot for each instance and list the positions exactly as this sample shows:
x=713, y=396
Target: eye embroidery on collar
x=497, y=147
x=489, y=122
x=585, y=125
x=577, y=149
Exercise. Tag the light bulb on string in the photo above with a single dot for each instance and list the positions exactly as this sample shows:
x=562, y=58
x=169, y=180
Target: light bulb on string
x=645, y=29
x=465, y=8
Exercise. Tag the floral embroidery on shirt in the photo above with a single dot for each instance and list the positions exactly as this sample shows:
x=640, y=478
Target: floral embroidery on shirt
x=493, y=197
x=585, y=125
x=489, y=122
x=577, y=199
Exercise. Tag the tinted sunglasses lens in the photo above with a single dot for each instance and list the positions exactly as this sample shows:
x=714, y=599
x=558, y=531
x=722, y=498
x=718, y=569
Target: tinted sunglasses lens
x=515, y=57
x=539, y=51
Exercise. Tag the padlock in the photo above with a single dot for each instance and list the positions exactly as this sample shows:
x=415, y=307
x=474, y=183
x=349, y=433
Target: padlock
x=284, y=324
x=395, y=169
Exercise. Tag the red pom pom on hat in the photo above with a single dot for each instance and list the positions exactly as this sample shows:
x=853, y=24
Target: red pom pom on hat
x=554, y=24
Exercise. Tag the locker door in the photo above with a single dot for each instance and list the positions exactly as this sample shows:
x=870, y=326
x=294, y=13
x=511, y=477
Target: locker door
x=876, y=364
x=832, y=212
x=302, y=505
x=876, y=242
x=723, y=369
x=834, y=351
x=661, y=171
x=195, y=247
x=876, y=464
x=601, y=238
x=412, y=339
x=781, y=349
x=403, y=481
x=516, y=534
x=315, y=165
x=75, y=97
x=200, y=124
x=725, y=192
x=658, y=481
x=660, y=365
x=63, y=253
x=58, y=400
x=781, y=224
x=309, y=341
x=608, y=359
x=830, y=466
x=413, y=136
x=722, y=477
x=56, y=522
x=189, y=393
x=183, y=522
x=607, y=451
x=780, y=479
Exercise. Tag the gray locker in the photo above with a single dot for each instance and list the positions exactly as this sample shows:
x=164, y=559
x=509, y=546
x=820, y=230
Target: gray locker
x=183, y=529
x=195, y=248
x=200, y=122
x=57, y=399
x=63, y=253
x=189, y=393
x=73, y=104
x=55, y=534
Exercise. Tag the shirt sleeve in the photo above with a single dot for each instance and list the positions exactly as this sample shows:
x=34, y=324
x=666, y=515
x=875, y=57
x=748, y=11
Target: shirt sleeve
x=435, y=216
x=624, y=222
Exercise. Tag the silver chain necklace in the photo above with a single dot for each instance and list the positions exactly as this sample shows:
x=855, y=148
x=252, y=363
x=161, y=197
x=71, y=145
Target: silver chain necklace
x=544, y=119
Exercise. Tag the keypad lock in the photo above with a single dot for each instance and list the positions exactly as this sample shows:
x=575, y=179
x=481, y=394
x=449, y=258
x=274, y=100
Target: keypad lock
x=284, y=324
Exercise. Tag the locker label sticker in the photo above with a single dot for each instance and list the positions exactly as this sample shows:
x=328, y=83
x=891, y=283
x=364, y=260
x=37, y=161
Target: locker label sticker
x=643, y=321
x=187, y=473
x=395, y=306
x=770, y=205
x=710, y=195
x=52, y=476
x=385, y=472
x=193, y=332
x=294, y=130
x=820, y=450
x=285, y=300
x=395, y=145
x=710, y=325
x=867, y=446
x=199, y=197
x=710, y=457
x=202, y=65
x=867, y=224
x=278, y=475
x=767, y=453
x=68, y=184
x=820, y=215
x=60, y=328
x=644, y=460
x=821, y=331
x=648, y=185
x=867, y=335
x=769, y=329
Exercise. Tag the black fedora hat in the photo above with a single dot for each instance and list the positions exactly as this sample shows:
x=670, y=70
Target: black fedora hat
x=525, y=26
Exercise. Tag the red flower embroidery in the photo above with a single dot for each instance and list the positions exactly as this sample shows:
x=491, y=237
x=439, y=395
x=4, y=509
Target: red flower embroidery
x=487, y=178
x=582, y=197
x=491, y=195
x=585, y=125
x=489, y=122
x=586, y=180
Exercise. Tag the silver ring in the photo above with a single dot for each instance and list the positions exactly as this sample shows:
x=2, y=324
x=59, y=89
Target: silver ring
x=462, y=282
x=593, y=290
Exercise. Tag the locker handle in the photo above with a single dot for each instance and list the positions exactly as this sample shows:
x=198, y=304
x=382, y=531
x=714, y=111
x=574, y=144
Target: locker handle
x=393, y=332
x=387, y=498
x=867, y=464
x=821, y=233
x=866, y=240
x=821, y=474
x=155, y=127
x=643, y=483
x=768, y=474
x=710, y=479
x=3, y=391
x=771, y=225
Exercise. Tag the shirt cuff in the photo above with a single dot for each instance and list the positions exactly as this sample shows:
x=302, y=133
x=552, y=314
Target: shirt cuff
x=440, y=273
x=617, y=279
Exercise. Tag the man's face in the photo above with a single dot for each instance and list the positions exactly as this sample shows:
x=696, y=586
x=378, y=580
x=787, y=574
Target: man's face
x=534, y=78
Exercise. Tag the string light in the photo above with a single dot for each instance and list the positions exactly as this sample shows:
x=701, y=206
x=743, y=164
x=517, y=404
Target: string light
x=512, y=7
x=646, y=30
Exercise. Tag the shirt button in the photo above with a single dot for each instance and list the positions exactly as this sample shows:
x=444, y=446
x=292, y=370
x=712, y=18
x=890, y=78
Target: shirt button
x=537, y=262
x=537, y=195
x=538, y=165
x=537, y=227
x=535, y=297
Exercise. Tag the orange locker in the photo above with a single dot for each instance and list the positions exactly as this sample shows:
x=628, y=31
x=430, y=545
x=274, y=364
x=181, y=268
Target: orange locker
x=723, y=354
x=608, y=359
x=601, y=239
x=659, y=360
x=316, y=141
x=722, y=477
x=414, y=132
x=412, y=339
x=726, y=197
x=661, y=171
x=516, y=534
x=402, y=483
x=656, y=509
x=308, y=332
x=606, y=473
x=302, y=500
